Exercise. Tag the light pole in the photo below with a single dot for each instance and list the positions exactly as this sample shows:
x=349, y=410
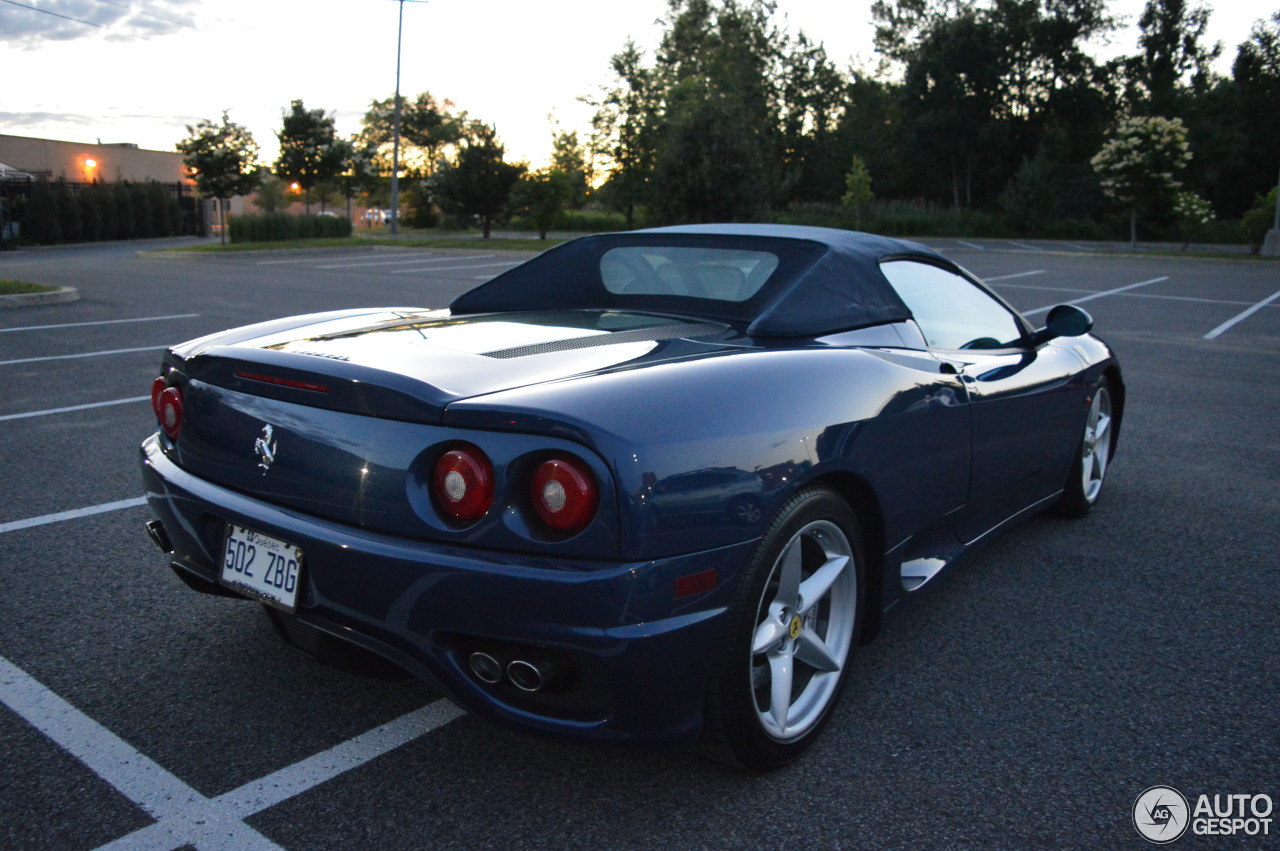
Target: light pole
x=395, y=132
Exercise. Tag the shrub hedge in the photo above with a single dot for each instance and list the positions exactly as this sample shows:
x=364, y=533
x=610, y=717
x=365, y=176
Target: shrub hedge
x=58, y=211
x=282, y=227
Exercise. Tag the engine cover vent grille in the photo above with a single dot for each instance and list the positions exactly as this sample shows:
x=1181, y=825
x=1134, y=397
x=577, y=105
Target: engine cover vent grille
x=636, y=335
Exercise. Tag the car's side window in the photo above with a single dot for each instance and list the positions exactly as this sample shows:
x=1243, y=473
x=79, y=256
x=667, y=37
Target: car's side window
x=952, y=313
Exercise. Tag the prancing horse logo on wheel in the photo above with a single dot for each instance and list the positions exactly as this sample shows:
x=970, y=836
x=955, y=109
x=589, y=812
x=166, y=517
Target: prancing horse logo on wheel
x=266, y=448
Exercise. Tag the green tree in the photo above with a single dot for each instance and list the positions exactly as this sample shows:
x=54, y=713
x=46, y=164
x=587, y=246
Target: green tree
x=1192, y=213
x=1138, y=165
x=569, y=158
x=857, y=186
x=427, y=127
x=360, y=172
x=1256, y=75
x=1172, y=57
x=718, y=154
x=273, y=195
x=478, y=182
x=812, y=97
x=222, y=159
x=985, y=85
x=310, y=151
x=540, y=195
x=1259, y=219
x=624, y=130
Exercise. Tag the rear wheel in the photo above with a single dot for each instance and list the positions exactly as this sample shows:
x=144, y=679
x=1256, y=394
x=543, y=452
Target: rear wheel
x=1089, y=470
x=790, y=638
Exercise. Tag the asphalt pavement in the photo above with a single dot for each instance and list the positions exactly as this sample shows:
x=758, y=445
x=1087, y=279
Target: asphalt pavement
x=1025, y=702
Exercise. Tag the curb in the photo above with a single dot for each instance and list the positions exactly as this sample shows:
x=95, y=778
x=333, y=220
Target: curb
x=58, y=296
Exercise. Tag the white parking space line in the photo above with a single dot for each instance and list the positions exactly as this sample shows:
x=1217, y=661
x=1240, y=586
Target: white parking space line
x=1156, y=296
x=83, y=355
x=1092, y=296
x=970, y=245
x=452, y=268
x=99, y=322
x=75, y=513
x=1014, y=275
x=71, y=408
x=185, y=817
x=281, y=262
x=131, y=773
x=403, y=262
x=1226, y=326
x=193, y=826
x=1024, y=246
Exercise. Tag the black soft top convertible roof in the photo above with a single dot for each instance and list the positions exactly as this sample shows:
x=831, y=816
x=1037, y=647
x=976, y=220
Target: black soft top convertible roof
x=827, y=280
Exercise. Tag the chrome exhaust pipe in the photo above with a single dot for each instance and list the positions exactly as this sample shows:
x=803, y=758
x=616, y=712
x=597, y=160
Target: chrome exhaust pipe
x=533, y=675
x=525, y=675
x=485, y=667
x=158, y=536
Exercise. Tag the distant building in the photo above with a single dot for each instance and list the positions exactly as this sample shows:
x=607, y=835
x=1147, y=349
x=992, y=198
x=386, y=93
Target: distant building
x=84, y=162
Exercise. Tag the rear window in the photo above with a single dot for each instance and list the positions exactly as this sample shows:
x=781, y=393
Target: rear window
x=715, y=274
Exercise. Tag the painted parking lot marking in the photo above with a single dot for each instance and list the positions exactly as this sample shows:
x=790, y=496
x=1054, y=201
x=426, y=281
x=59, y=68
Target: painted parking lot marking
x=1024, y=246
x=1155, y=296
x=1102, y=294
x=1014, y=275
x=184, y=816
x=193, y=826
x=83, y=355
x=972, y=245
x=99, y=322
x=73, y=514
x=452, y=268
x=133, y=774
x=1230, y=323
x=71, y=408
x=403, y=262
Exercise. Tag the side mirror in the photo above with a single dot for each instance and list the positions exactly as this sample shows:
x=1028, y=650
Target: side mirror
x=1065, y=320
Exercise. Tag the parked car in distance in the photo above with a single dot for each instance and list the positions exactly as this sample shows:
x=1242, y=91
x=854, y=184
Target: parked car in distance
x=652, y=486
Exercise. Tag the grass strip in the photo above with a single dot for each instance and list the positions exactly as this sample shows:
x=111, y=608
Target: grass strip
x=23, y=287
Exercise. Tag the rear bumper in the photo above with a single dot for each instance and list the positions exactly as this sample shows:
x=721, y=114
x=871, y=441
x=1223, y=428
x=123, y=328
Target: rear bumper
x=642, y=655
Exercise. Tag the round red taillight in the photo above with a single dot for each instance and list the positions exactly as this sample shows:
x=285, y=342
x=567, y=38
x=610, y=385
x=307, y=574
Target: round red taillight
x=463, y=483
x=564, y=493
x=157, y=387
x=170, y=413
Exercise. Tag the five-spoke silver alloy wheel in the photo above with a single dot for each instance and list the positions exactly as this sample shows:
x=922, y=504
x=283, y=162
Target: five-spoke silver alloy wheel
x=1096, y=453
x=806, y=622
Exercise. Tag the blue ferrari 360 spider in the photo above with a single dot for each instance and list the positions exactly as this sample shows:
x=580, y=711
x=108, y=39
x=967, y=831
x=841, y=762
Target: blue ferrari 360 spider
x=647, y=486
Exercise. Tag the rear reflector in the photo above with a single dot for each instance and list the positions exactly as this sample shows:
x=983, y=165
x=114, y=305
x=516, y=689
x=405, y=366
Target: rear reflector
x=696, y=583
x=283, y=382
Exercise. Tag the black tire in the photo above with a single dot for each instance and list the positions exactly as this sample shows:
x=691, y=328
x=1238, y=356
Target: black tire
x=1080, y=492
x=741, y=726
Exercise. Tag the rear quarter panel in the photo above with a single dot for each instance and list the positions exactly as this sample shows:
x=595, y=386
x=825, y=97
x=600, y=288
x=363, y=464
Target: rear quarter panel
x=706, y=451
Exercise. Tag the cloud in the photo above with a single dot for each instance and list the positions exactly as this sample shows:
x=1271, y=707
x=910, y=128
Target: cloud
x=13, y=120
x=31, y=23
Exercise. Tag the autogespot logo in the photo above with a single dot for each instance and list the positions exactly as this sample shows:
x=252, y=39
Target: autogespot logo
x=1160, y=814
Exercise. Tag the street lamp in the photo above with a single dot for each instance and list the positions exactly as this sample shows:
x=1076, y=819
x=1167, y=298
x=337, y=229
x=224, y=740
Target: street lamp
x=395, y=133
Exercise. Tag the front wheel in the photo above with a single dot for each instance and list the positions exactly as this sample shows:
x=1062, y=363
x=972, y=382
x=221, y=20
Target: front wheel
x=790, y=638
x=1089, y=469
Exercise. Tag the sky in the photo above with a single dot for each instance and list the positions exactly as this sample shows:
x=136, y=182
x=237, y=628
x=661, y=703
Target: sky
x=141, y=71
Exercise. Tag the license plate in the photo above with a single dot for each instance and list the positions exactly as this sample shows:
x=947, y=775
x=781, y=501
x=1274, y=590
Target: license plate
x=262, y=567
